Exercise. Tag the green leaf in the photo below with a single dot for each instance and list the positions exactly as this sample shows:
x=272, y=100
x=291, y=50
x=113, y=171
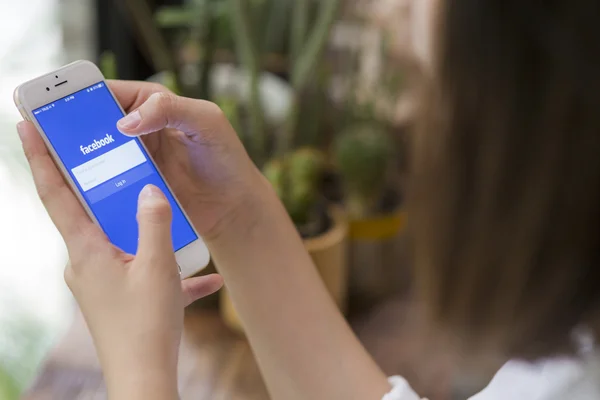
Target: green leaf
x=299, y=27
x=175, y=16
x=316, y=42
x=250, y=57
x=277, y=26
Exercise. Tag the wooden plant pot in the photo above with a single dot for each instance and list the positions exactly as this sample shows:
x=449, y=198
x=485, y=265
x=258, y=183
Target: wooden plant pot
x=376, y=258
x=329, y=253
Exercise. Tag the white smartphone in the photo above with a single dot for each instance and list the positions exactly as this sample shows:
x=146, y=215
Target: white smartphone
x=76, y=114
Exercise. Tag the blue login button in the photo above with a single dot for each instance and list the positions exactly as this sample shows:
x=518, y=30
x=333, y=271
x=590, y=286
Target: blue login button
x=119, y=182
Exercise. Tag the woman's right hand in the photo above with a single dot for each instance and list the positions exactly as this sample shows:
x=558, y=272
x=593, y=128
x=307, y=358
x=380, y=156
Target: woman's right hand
x=300, y=338
x=196, y=149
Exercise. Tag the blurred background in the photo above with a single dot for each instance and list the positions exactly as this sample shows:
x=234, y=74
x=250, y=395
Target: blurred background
x=320, y=93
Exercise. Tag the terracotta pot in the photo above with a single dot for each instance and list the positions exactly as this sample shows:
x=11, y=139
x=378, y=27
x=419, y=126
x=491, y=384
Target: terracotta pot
x=329, y=253
x=377, y=265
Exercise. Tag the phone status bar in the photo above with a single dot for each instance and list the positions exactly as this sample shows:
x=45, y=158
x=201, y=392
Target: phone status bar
x=69, y=98
x=95, y=87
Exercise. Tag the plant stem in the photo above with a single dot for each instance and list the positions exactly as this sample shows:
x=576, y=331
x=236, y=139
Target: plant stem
x=316, y=113
x=305, y=63
x=299, y=28
x=313, y=48
x=277, y=25
x=250, y=57
x=285, y=140
x=208, y=49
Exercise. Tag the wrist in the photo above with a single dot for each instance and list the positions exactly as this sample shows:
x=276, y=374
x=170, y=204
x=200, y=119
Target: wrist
x=142, y=384
x=140, y=372
x=245, y=214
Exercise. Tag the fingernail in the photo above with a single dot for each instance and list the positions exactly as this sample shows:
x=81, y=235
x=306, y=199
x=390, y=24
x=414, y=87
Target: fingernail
x=150, y=194
x=130, y=121
x=21, y=129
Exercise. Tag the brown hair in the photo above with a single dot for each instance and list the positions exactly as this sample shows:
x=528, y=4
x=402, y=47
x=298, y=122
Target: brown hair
x=505, y=195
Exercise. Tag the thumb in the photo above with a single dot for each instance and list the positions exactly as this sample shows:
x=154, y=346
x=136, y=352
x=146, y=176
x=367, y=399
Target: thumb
x=166, y=110
x=154, y=223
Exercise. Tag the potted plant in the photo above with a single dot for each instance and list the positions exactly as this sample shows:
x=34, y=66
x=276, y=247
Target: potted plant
x=295, y=174
x=367, y=155
x=364, y=156
x=296, y=179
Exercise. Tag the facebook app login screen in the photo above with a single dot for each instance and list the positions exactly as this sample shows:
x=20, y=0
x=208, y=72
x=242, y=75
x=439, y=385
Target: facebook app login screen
x=109, y=168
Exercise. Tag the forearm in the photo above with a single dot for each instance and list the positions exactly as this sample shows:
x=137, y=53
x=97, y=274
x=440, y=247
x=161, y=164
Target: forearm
x=140, y=371
x=143, y=387
x=303, y=345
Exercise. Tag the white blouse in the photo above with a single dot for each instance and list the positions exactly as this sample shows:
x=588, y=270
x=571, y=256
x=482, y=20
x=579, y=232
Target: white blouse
x=548, y=380
x=401, y=390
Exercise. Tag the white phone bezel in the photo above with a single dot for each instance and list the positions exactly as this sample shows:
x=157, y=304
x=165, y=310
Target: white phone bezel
x=78, y=76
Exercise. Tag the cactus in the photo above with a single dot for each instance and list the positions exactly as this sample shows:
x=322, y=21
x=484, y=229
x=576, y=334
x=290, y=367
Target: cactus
x=250, y=57
x=314, y=42
x=258, y=26
x=294, y=176
x=307, y=47
x=363, y=156
x=200, y=19
x=296, y=181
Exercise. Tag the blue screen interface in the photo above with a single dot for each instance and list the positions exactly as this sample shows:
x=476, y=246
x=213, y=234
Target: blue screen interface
x=109, y=168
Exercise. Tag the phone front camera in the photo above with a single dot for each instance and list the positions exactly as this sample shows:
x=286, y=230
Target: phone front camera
x=47, y=89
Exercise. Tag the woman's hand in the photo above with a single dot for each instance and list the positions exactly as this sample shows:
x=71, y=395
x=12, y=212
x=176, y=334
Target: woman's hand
x=196, y=149
x=132, y=305
x=299, y=336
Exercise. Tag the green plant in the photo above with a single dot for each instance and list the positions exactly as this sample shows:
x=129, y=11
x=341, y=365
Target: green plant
x=296, y=179
x=251, y=60
x=362, y=156
x=202, y=19
x=295, y=176
x=296, y=30
x=206, y=31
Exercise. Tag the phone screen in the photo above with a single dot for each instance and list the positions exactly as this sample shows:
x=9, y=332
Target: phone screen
x=109, y=168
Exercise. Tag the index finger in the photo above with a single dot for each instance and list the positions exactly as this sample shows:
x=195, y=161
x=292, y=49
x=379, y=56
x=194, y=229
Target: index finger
x=132, y=94
x=64, y=209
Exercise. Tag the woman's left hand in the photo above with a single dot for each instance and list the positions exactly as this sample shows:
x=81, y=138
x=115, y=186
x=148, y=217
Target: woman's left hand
x=133, y=305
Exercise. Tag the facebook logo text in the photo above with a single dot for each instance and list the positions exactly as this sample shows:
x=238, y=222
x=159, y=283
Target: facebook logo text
x=97, y=144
